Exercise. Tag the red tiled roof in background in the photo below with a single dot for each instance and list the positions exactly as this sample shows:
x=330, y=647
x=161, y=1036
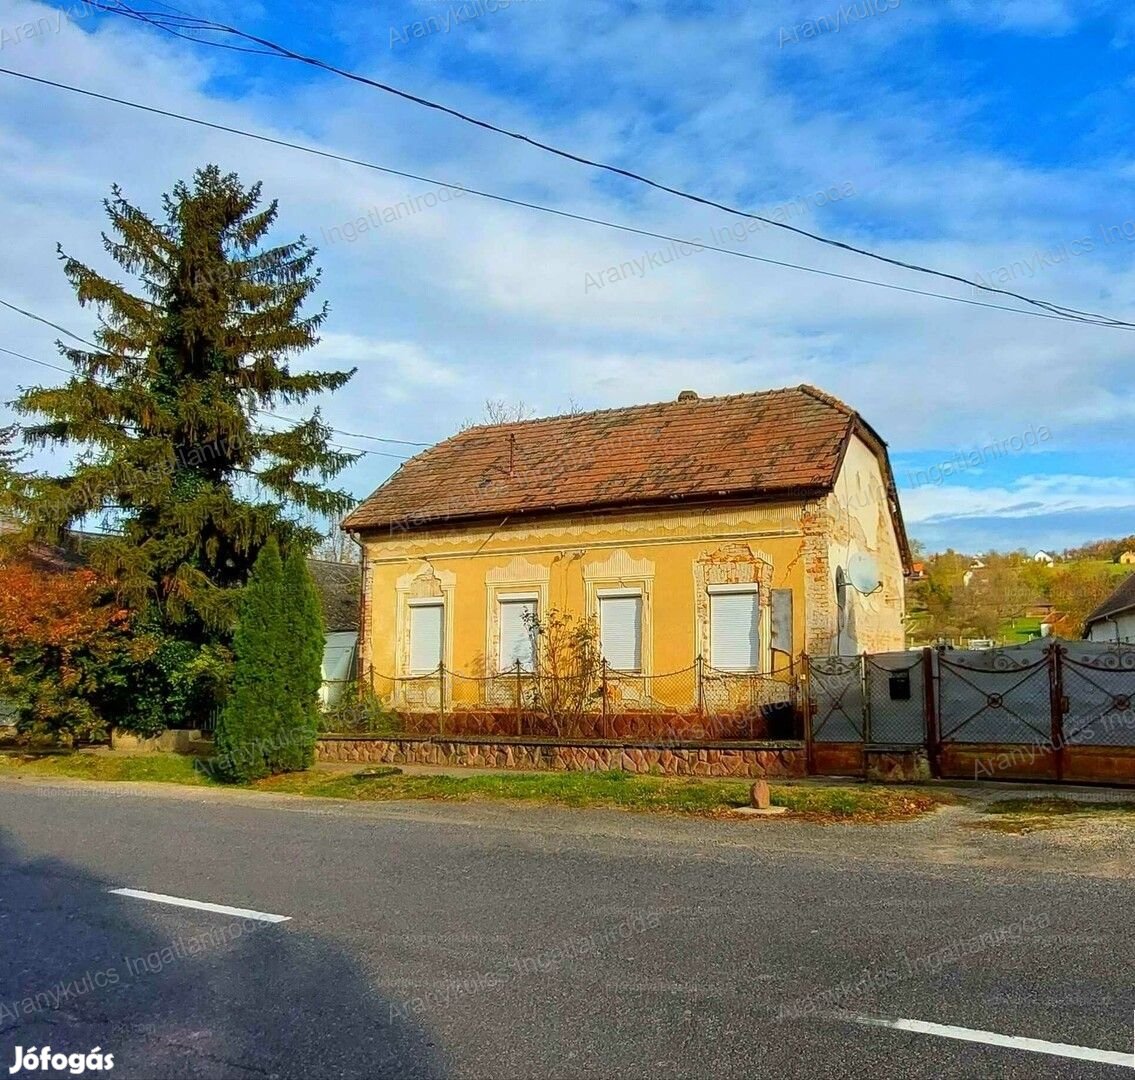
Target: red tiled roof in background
x=777, y=443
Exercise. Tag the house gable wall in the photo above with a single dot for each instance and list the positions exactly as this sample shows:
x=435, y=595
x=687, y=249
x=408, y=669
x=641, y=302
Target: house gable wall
x=850, y=532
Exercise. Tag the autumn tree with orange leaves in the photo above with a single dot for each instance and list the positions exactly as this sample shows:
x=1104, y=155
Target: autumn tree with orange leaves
x=65, y=650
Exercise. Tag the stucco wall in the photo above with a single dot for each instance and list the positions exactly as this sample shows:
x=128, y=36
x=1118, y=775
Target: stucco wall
x=1122, y=629
x=671, y=557
x=853, y=535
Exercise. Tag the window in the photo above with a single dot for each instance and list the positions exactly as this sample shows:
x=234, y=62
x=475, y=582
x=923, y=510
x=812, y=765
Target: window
x=426, y=623
x=517, y=633
x=620, y=630
x=734, y=636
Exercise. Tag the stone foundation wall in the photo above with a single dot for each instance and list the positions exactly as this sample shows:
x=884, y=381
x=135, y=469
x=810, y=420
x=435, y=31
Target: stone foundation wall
x=896, y=766
x=747, y=760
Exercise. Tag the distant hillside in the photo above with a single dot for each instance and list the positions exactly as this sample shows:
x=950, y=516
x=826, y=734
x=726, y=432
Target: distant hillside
x=1005, y=596
x=1106, y=550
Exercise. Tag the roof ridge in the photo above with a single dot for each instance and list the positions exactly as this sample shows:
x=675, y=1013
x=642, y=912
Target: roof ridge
x=782, y=443
x=653, y=405
x=826, y=398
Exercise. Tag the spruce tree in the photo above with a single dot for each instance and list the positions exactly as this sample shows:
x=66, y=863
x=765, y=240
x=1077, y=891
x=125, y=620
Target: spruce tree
x=164, y=411
x=259, y=705
x=10, y=457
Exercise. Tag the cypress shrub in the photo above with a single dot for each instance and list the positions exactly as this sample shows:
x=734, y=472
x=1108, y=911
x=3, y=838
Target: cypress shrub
x=302, y=668
x=248, y=729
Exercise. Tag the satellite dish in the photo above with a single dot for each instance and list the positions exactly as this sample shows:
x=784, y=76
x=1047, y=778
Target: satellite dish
x=863, y=573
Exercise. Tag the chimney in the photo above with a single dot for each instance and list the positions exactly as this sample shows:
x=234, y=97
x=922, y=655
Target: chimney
x=688, y=395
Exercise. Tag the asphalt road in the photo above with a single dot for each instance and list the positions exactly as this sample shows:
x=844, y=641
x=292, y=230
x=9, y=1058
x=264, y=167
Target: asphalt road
x=491, y=941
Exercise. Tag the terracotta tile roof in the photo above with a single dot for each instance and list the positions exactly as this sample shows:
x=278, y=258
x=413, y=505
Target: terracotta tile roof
x=778, y=443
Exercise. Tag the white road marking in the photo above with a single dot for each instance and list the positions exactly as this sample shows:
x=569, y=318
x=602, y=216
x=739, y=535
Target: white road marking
x=201, y=905
x=1014, y=1042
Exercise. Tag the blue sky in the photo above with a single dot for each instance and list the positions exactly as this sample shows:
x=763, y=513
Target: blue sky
x=985, y=138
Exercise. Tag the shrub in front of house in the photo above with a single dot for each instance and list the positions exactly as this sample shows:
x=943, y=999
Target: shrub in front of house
x=270, y=719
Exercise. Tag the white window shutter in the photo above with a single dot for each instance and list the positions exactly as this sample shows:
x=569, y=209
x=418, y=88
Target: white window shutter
x=620, y=631
x=426, y=622
x=733, y=631
x=516, y=634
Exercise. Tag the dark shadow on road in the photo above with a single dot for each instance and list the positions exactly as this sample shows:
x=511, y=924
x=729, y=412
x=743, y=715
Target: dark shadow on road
x=175, y=992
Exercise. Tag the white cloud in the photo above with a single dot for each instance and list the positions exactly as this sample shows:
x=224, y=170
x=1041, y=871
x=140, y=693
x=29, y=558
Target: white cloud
x=473, y=299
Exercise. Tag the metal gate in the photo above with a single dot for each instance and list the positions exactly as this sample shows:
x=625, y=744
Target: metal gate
x=999, y=714
x=1049, y=710
x=1098, y=692
x=835, y=696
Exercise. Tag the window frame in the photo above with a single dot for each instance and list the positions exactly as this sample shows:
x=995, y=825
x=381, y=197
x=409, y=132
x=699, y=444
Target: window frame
x=503, y=598
x=424, y=602
x=624, y=593
x=749, y=588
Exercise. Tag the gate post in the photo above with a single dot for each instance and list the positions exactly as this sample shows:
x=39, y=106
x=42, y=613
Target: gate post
x=930, y=716
x=519, y=701
x=865, y=695
x=1056, y=695
x=806, y=703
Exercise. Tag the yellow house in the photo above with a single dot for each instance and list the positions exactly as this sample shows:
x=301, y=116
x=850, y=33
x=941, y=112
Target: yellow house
x=731, y=532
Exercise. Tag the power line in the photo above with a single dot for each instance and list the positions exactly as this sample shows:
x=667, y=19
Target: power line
x=355, y=434
x=48, y=322
x=282, y=51
x=1113, y=324
x=33, y=360
x=288, y=419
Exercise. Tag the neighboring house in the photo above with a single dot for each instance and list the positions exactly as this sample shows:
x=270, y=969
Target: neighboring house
x=338, y=586
x=1114, y=619
x=1127, y=558
x=1040, y=608
x=1043, y=557
x=975, y=568
x=744, y=530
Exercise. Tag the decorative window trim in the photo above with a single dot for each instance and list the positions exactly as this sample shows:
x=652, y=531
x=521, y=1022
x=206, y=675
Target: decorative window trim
x=422, y=585
x=734, y=567
x=518, y=580
x=622, y=575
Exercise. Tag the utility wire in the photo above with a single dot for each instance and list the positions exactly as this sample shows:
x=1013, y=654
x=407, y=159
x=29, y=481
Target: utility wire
x=355, y=434
x=157, y=18
x=1115, y=324
x=287, y=419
